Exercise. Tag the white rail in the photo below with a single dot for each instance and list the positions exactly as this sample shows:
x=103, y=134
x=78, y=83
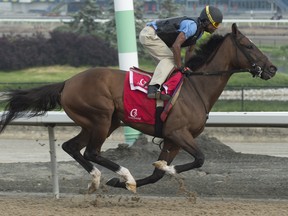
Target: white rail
x=248, y=119
x=216, y=119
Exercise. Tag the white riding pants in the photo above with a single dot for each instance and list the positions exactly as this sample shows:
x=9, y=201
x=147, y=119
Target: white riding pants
x=160, y=52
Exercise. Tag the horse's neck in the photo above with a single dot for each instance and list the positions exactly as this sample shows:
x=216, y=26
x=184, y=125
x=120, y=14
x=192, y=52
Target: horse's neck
x=211, y=87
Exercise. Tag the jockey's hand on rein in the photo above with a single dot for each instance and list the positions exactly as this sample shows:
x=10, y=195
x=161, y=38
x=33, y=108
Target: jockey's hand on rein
x=185, y=70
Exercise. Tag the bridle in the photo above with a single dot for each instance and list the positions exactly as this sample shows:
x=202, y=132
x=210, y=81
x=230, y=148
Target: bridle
x=255, y=69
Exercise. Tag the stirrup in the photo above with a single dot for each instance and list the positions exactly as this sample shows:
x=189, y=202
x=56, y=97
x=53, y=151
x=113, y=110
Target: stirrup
x=160, y=96
x=164, y=97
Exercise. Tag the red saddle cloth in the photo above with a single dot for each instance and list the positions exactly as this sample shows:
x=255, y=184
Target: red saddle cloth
x=137, y=107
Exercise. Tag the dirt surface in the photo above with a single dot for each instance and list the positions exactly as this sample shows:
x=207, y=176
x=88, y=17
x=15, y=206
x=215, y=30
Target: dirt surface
x=35, y=205
x=229, y=183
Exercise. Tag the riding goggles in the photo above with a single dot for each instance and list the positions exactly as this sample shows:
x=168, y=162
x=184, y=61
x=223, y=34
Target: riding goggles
x=215, y=24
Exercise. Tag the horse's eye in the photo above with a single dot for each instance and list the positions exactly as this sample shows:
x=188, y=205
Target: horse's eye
x=250, y=46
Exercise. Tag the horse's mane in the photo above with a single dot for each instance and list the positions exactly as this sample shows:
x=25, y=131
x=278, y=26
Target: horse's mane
x=204, y=51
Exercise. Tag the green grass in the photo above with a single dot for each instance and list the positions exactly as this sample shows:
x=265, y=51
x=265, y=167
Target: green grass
x=246, y=80
x=40, y=74
x=250, y=106
x=279, y=57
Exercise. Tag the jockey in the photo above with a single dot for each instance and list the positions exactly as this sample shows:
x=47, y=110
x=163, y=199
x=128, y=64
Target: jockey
x=164, y=39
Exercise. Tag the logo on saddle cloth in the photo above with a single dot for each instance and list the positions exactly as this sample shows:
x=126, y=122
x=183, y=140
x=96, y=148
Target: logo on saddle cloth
x=137, y=107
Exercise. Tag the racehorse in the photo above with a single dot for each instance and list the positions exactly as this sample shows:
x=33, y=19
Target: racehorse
x=93, y=99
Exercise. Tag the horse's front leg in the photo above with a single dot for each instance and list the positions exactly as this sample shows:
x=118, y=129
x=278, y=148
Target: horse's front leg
x=184, y=140
x=167, y=154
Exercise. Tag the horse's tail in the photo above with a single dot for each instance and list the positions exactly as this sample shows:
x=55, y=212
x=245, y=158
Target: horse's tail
x=30, y=102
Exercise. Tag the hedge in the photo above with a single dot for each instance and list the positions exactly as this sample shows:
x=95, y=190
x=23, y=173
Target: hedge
x=62, y=48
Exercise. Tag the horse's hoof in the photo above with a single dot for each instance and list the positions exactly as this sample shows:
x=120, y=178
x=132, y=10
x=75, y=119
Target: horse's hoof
x=92, y=188
x=131, y=187
x=113, y=182
x=160, y=164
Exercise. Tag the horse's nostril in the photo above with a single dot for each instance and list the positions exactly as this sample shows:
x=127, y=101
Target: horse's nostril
x=273, y=69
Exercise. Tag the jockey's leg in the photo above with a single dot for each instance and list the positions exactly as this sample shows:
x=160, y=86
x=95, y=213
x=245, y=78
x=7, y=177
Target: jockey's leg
x=163, y=56
x=161, y=73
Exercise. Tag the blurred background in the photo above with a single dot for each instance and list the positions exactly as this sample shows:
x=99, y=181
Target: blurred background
x=269, y=9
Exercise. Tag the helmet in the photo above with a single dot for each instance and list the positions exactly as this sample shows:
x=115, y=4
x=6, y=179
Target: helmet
x=213, y=14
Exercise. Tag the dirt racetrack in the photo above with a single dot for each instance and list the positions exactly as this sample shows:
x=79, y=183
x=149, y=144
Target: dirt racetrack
x=35, y=205
x=229, y=183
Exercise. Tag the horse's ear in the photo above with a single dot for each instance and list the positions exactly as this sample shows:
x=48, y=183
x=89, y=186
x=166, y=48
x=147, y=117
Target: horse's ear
x=234, y=29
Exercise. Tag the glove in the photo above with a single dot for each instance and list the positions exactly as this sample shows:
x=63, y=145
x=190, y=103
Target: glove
x=185, y=70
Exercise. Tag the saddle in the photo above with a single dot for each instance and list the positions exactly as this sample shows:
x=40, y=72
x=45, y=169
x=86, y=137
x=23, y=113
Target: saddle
x=140, y=109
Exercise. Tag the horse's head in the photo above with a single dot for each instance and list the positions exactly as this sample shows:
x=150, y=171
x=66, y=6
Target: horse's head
x=251, y=57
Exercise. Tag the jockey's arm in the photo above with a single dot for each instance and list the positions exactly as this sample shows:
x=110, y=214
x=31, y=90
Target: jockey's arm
x=189, y=52
x=176, y=48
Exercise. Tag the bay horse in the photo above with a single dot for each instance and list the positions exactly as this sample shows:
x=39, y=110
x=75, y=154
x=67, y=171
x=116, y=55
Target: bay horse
x=93, y=99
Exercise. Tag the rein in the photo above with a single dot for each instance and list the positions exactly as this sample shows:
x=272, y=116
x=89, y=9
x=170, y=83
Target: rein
x=218, y=73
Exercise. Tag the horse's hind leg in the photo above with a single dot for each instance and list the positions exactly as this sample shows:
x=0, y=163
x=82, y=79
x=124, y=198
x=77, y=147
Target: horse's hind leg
x=168, y=153
x=73, y=147
x=92, y=153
